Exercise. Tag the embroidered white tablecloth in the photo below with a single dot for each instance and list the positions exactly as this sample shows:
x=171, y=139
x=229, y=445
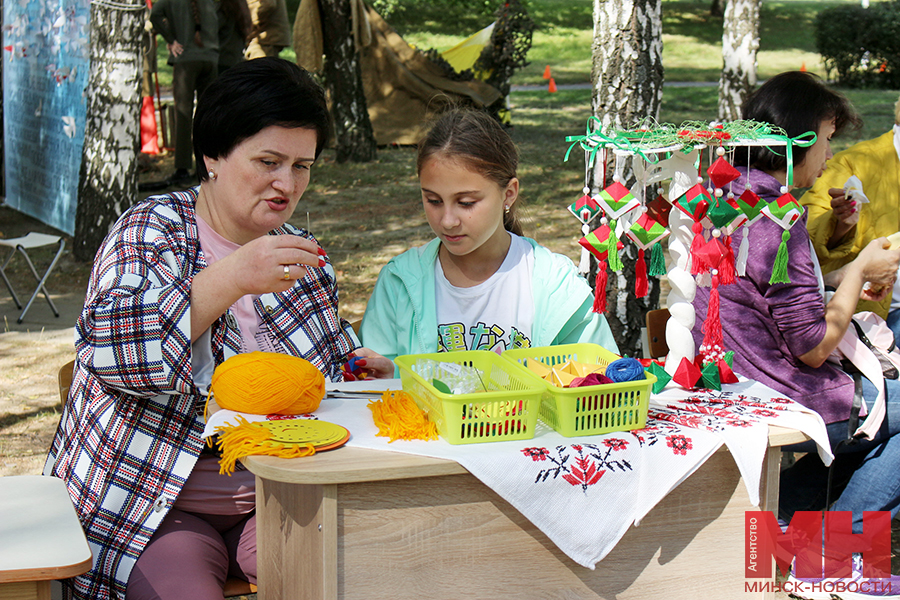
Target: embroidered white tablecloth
x=584, y=493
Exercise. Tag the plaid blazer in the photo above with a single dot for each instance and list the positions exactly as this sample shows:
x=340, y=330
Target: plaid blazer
x=129, y=435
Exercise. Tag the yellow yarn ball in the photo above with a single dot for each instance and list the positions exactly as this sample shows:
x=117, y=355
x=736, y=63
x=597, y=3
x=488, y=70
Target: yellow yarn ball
x=264, y=383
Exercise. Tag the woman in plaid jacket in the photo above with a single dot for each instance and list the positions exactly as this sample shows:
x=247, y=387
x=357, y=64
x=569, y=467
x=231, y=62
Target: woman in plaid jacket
x=182, y=282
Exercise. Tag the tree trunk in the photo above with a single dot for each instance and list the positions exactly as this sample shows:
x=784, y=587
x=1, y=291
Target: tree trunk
x=717, y=8
x=740, y=42
x=108, y=179
x=627, y=79
x=354, y=136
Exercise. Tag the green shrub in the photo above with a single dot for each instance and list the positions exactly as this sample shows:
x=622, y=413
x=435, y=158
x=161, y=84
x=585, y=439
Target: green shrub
x=861, y=46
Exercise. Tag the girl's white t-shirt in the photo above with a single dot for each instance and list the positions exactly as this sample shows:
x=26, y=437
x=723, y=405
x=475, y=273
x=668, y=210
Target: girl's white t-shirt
x=497, y=314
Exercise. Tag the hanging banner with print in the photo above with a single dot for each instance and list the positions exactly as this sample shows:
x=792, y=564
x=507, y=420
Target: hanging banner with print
x=46, y=60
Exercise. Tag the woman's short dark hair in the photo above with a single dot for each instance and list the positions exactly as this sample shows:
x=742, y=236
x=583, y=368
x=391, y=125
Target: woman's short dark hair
x=251, y=96
x=797, y=102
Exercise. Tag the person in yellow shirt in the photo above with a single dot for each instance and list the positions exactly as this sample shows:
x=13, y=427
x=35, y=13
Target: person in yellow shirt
x=839, y=227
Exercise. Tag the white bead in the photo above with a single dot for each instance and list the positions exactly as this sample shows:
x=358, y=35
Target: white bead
x=720, y=151
x=716, y=233
x=616, y=178
x=731, y=195
x=699, y=179
x=719, y=192
x=784, y=189
x=643, y=209
x=585, y=190
x=713, y=271
x=747, y=185
x=604, y=220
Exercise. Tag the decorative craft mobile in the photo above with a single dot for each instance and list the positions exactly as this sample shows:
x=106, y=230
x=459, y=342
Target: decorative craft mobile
x=669, y=159
x=785, y=211
x=585, y=209
x=602, y=244
x=645, y=232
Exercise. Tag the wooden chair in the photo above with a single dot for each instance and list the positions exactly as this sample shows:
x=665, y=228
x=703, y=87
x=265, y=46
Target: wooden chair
x=233, y=586
x=656, y=333
x=64, y=377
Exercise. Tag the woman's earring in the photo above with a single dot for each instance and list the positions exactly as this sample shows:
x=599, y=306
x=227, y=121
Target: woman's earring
x=212, y=174
x=506, y=209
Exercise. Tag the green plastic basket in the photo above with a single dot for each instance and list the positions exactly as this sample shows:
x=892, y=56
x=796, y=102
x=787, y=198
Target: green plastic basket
x=507, y=411
x=588, y=410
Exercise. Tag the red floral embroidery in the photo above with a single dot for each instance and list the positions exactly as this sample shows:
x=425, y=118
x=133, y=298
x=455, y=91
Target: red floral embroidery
x=679, y=444
x=738, y=423
x=765, y=413
x=536, y=454
x=585, y=473
x=616, y=444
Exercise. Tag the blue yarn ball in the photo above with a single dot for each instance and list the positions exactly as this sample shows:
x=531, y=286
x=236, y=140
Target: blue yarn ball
x=625, y=369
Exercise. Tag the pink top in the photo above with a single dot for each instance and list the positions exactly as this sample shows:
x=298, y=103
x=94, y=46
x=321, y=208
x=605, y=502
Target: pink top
x=253, y=334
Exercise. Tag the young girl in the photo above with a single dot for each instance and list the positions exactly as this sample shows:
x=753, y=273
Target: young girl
x=479, y=285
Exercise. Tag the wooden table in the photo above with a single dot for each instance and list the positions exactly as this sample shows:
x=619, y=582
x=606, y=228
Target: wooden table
x=40, y=537
x=367, y=524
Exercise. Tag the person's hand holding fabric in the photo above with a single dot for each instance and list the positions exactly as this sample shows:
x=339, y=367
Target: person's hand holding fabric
x=368, y=365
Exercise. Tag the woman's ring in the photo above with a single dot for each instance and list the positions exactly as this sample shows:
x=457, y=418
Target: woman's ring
x=287, y=272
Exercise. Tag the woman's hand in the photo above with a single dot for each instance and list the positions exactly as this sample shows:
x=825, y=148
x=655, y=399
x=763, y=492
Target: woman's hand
x=268, y=264
x=878, y=262
x=272, y=263
x=845, y=212
x=366, y=364
x=879, y=270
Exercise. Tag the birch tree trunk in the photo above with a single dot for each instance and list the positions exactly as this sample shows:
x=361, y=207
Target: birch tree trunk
x=108, y=178
x=354, y=136
x=2, y=142
x=740, y=42
x=627, y=79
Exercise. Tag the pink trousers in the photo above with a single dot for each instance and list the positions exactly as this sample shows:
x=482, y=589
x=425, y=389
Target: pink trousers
x=191, y=556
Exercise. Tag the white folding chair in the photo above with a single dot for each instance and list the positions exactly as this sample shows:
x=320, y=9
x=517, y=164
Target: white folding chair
x=22, y=245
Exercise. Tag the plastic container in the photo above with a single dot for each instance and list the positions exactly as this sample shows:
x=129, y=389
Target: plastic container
x=507, y=411
x=588, y=410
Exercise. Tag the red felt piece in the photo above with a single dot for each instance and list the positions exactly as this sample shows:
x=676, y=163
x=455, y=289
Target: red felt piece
x=687, y=374
x=721, y=173
x=658, y=209
x=726, y=375
x=711, y=253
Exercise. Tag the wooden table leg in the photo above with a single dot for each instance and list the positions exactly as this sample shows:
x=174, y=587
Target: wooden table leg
x=768, y=495
x=296, y=533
